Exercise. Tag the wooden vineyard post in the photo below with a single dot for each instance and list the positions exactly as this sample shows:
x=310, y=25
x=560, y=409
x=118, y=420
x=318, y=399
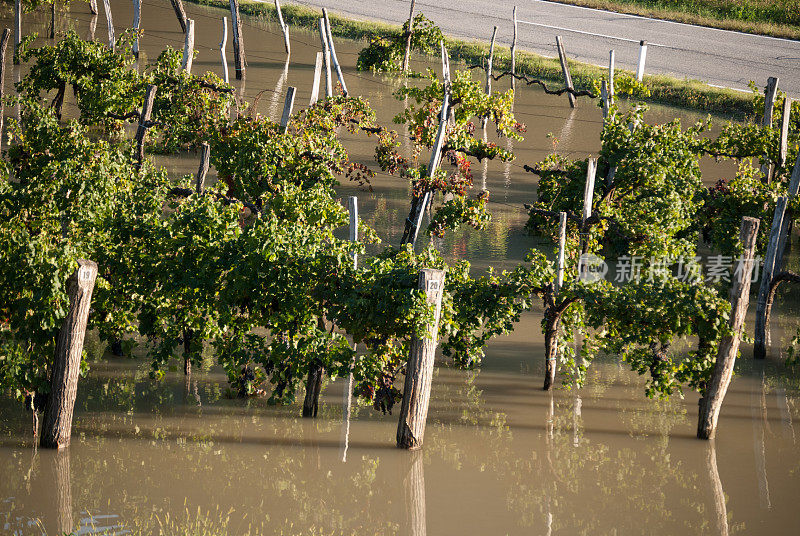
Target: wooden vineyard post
x=611, y=61
x=284, y=27
x=770, y=94
x=110, y=22
x=205, y=160
x=137, y=16
x=783, y=148
x=57, y=422
x=238, y=43
x=562, y=57
x=317, y=75
x=188, y=46
x=222, y=45
x=144, y=124
x=177, y=5
x=409, y=34
x=17, y=28
x=419, y=371
x=93, y=7
x=332, y=47
x=53, y=19
x=514, y=50
x=711, y=403
x=642, y=60
x=773, y=260
x=287, y=108
x=326, y=57
x=489, y=72
x=3, y=48
x=604, y=98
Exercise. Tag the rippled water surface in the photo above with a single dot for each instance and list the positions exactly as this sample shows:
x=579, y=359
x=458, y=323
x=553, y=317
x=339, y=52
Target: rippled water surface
x=500, y=457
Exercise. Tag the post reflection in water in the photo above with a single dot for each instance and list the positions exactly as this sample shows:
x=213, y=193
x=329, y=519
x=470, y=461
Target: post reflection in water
x=414, y=488
x=720, y=508
x=758, y=409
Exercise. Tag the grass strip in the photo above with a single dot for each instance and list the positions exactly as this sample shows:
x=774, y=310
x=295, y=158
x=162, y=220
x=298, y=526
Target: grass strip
x=776, y=18
x=686, y=93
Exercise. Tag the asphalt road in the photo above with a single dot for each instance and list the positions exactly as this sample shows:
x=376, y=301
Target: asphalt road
x=719, y=57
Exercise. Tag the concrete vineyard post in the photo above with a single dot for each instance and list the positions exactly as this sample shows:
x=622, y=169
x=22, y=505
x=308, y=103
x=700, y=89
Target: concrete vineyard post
x=3, y=48
x=514, y=50
x=562, y=57
x=110, y=22
x=144, y=124
x=489, y=72
x=317, y=75
x=188, y=46
x=783, y=148
x=347, y=394
x=773, y=260
x=57, y=422
x=407, y=54
x=611, y=61
x=332, y=47
x=326, y=56
x=288, y=104
x=205, y=159
x=642, y=60
x=222, y=45
x=562, y=242
x=177, y=5
x=711, y=403
x=588, y=197
x=17, y=28
x=238, y=42
x=419, y=371
x=284, y=27
x=137, y=17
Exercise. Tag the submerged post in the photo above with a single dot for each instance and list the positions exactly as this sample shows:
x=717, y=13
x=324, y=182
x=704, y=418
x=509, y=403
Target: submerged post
x=144, y=124
x=642, y=60
x=3, y=48
x=137, y=16
x=562, y=243
x=17, y=28
x=326, y=56
x=332, y=47
x=110, y=21
x=287, y=108
x=57, y=422
x=407, y=55
x=222, y=45
x=177, y=5
x=238, y=44
x=202, y=171
x=711, y=403
x=783, y=148
x=317, y=75
x=188, y=46
x=284, y=27
x=419, y=371
x=562, y=57
x=514, y=50
x=489, y=72
x=770, y=94
x=773, y=260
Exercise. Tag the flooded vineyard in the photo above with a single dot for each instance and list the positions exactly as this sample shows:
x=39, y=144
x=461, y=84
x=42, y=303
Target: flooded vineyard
x=501, y=455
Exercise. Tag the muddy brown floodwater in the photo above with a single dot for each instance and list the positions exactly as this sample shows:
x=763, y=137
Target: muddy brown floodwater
x=500, y=457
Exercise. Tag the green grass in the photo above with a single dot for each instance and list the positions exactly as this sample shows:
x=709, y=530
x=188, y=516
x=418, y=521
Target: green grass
x=778, y=18
x=691, y=94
